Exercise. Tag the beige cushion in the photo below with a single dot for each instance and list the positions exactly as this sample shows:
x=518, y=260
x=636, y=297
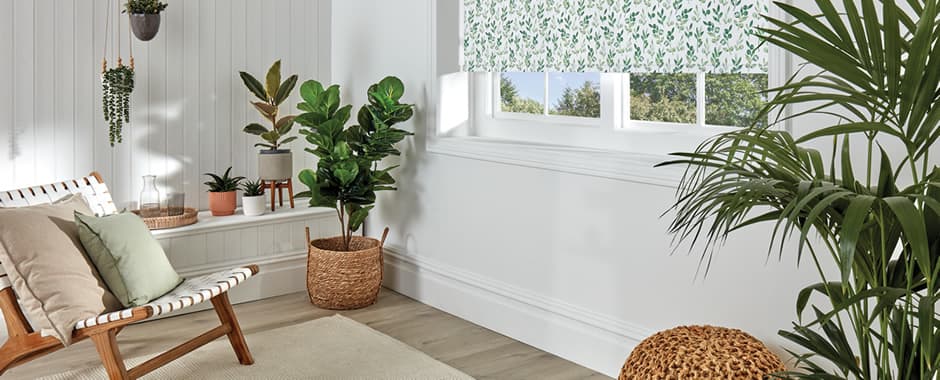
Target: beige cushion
x=56, y=284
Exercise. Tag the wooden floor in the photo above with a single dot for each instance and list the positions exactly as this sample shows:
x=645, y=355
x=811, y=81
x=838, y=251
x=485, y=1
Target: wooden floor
x=472, y=349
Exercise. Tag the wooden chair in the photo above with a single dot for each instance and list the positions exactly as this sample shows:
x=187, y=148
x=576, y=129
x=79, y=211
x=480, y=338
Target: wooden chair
x=24, y=344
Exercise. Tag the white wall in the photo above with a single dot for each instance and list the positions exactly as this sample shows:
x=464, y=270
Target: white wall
x=577, y=265
x=188, y=107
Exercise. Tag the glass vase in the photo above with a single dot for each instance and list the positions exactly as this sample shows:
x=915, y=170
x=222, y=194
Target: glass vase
x=150, y=198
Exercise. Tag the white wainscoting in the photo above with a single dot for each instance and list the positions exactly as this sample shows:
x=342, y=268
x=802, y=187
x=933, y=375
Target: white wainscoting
x=276, y=242
x=583, y=336
x=188, y=106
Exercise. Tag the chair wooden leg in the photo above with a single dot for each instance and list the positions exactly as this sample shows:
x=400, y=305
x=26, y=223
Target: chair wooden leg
x=106, y=343
x=227, y=316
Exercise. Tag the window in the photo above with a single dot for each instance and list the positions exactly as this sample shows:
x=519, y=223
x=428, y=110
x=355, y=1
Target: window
x=560, y=94
x=726, y=100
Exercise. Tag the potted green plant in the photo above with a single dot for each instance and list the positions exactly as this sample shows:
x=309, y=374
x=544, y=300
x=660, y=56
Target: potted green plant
x=274, y=163
x=873, y=213
x=253, y=198
x=117, y=84
x=222, y=189
x=345, y=272
x=144, y=16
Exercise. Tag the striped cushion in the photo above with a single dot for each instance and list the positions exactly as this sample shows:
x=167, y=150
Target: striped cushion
x=192, y=291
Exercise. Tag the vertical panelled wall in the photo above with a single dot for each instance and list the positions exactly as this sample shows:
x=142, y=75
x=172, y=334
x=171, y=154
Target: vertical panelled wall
x=188, y=106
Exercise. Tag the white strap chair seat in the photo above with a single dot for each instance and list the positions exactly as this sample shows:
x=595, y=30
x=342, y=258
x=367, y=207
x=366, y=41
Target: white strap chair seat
x=191, y=292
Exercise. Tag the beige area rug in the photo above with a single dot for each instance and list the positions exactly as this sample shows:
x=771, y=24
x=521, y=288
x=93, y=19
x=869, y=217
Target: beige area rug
x=327, y=348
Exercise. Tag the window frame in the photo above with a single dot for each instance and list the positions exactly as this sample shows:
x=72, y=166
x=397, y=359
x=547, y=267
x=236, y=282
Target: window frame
x=606, y=105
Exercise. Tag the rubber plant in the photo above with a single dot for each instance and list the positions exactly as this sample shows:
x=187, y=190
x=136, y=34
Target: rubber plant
x=348, y=172
x=117, y=84
x=270, y=96
x=872, y=213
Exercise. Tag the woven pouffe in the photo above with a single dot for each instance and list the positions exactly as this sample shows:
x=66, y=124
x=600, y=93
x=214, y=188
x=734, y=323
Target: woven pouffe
x=700, y=353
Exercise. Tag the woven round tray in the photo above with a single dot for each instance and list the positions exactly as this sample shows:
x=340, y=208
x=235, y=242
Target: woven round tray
x=189, y=216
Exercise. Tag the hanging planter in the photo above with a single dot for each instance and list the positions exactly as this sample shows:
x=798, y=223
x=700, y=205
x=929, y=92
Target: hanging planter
x=144, y=17
x=117, y=83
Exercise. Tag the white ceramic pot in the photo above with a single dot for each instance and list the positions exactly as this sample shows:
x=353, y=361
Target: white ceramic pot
x=253, y=206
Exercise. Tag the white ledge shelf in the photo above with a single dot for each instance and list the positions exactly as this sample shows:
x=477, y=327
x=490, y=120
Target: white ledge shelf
x=208, y=223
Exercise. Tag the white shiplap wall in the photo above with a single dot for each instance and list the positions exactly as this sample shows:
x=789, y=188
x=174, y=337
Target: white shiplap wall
x=188, y=106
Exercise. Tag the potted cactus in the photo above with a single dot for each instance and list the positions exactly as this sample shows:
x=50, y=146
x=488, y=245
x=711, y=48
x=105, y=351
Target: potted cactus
x=274, y=163
x=345, y=272
x=144, y=17
x=253, y=198
x=222, y=193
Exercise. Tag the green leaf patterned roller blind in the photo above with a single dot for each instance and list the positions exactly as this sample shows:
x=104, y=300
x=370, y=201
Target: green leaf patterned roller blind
x=630, y=36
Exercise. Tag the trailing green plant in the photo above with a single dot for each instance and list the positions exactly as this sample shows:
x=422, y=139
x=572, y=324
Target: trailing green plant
x=874, y=215
x=224, y=183
x=117, y=84
x=271, y=95
x=253, y=188
x=347, y=174
x=144, y=6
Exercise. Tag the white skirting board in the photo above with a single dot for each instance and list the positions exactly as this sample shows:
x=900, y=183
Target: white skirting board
x=592, y=340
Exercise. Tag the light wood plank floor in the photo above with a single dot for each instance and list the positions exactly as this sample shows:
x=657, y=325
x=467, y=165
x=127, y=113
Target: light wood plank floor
x=472, y=349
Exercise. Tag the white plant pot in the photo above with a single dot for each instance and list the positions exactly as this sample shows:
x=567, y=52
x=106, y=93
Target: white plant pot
x=253, y=206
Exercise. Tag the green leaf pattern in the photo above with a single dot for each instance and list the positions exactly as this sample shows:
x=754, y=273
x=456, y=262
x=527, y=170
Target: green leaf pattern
x=636, y=36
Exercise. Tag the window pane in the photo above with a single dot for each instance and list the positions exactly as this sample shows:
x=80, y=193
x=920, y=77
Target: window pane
x=734, y=99
x=663, y=97
x=574, y=94
x=522, y=92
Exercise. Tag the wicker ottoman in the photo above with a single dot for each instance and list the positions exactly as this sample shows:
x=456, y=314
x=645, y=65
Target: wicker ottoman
x=700, y=353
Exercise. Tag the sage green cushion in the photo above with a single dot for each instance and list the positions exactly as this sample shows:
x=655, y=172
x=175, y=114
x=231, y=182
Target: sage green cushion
x=127, y=256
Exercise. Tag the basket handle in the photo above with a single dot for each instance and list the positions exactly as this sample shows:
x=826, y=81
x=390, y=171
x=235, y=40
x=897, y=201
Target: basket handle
x=307, y=232
x=384, y=235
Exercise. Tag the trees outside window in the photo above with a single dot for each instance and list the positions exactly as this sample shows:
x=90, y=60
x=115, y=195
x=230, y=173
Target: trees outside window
x=730, y=99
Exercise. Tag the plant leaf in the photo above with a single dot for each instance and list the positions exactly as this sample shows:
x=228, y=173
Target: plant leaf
x=254, y=129
x=273, y=80
x=253, y=85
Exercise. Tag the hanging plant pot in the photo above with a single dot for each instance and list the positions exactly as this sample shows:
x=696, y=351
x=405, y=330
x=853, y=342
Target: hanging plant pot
x=145, y=25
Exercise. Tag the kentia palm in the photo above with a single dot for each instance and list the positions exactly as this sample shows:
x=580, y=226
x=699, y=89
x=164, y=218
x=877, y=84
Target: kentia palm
x=879, y=77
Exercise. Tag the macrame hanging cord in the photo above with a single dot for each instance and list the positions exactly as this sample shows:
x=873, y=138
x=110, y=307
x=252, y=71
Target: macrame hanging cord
x=115, y=44
x=117, y=83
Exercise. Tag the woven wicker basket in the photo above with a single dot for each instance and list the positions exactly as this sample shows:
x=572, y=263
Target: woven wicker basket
x=700, y=353
x=343, y=280
x=189, y=216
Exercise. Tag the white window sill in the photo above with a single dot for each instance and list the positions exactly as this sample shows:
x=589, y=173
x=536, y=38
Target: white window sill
x=618, y=165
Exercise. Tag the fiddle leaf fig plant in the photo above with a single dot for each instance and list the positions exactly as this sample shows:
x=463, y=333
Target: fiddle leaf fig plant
x=270, y=96
x=347, y=173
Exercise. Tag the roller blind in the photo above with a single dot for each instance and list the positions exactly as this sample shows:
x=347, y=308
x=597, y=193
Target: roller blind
x=628, y=36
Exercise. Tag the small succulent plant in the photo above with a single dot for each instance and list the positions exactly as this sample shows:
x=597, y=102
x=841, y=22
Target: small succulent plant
x=253, y=188
x=144, y=6
x=224, y=183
